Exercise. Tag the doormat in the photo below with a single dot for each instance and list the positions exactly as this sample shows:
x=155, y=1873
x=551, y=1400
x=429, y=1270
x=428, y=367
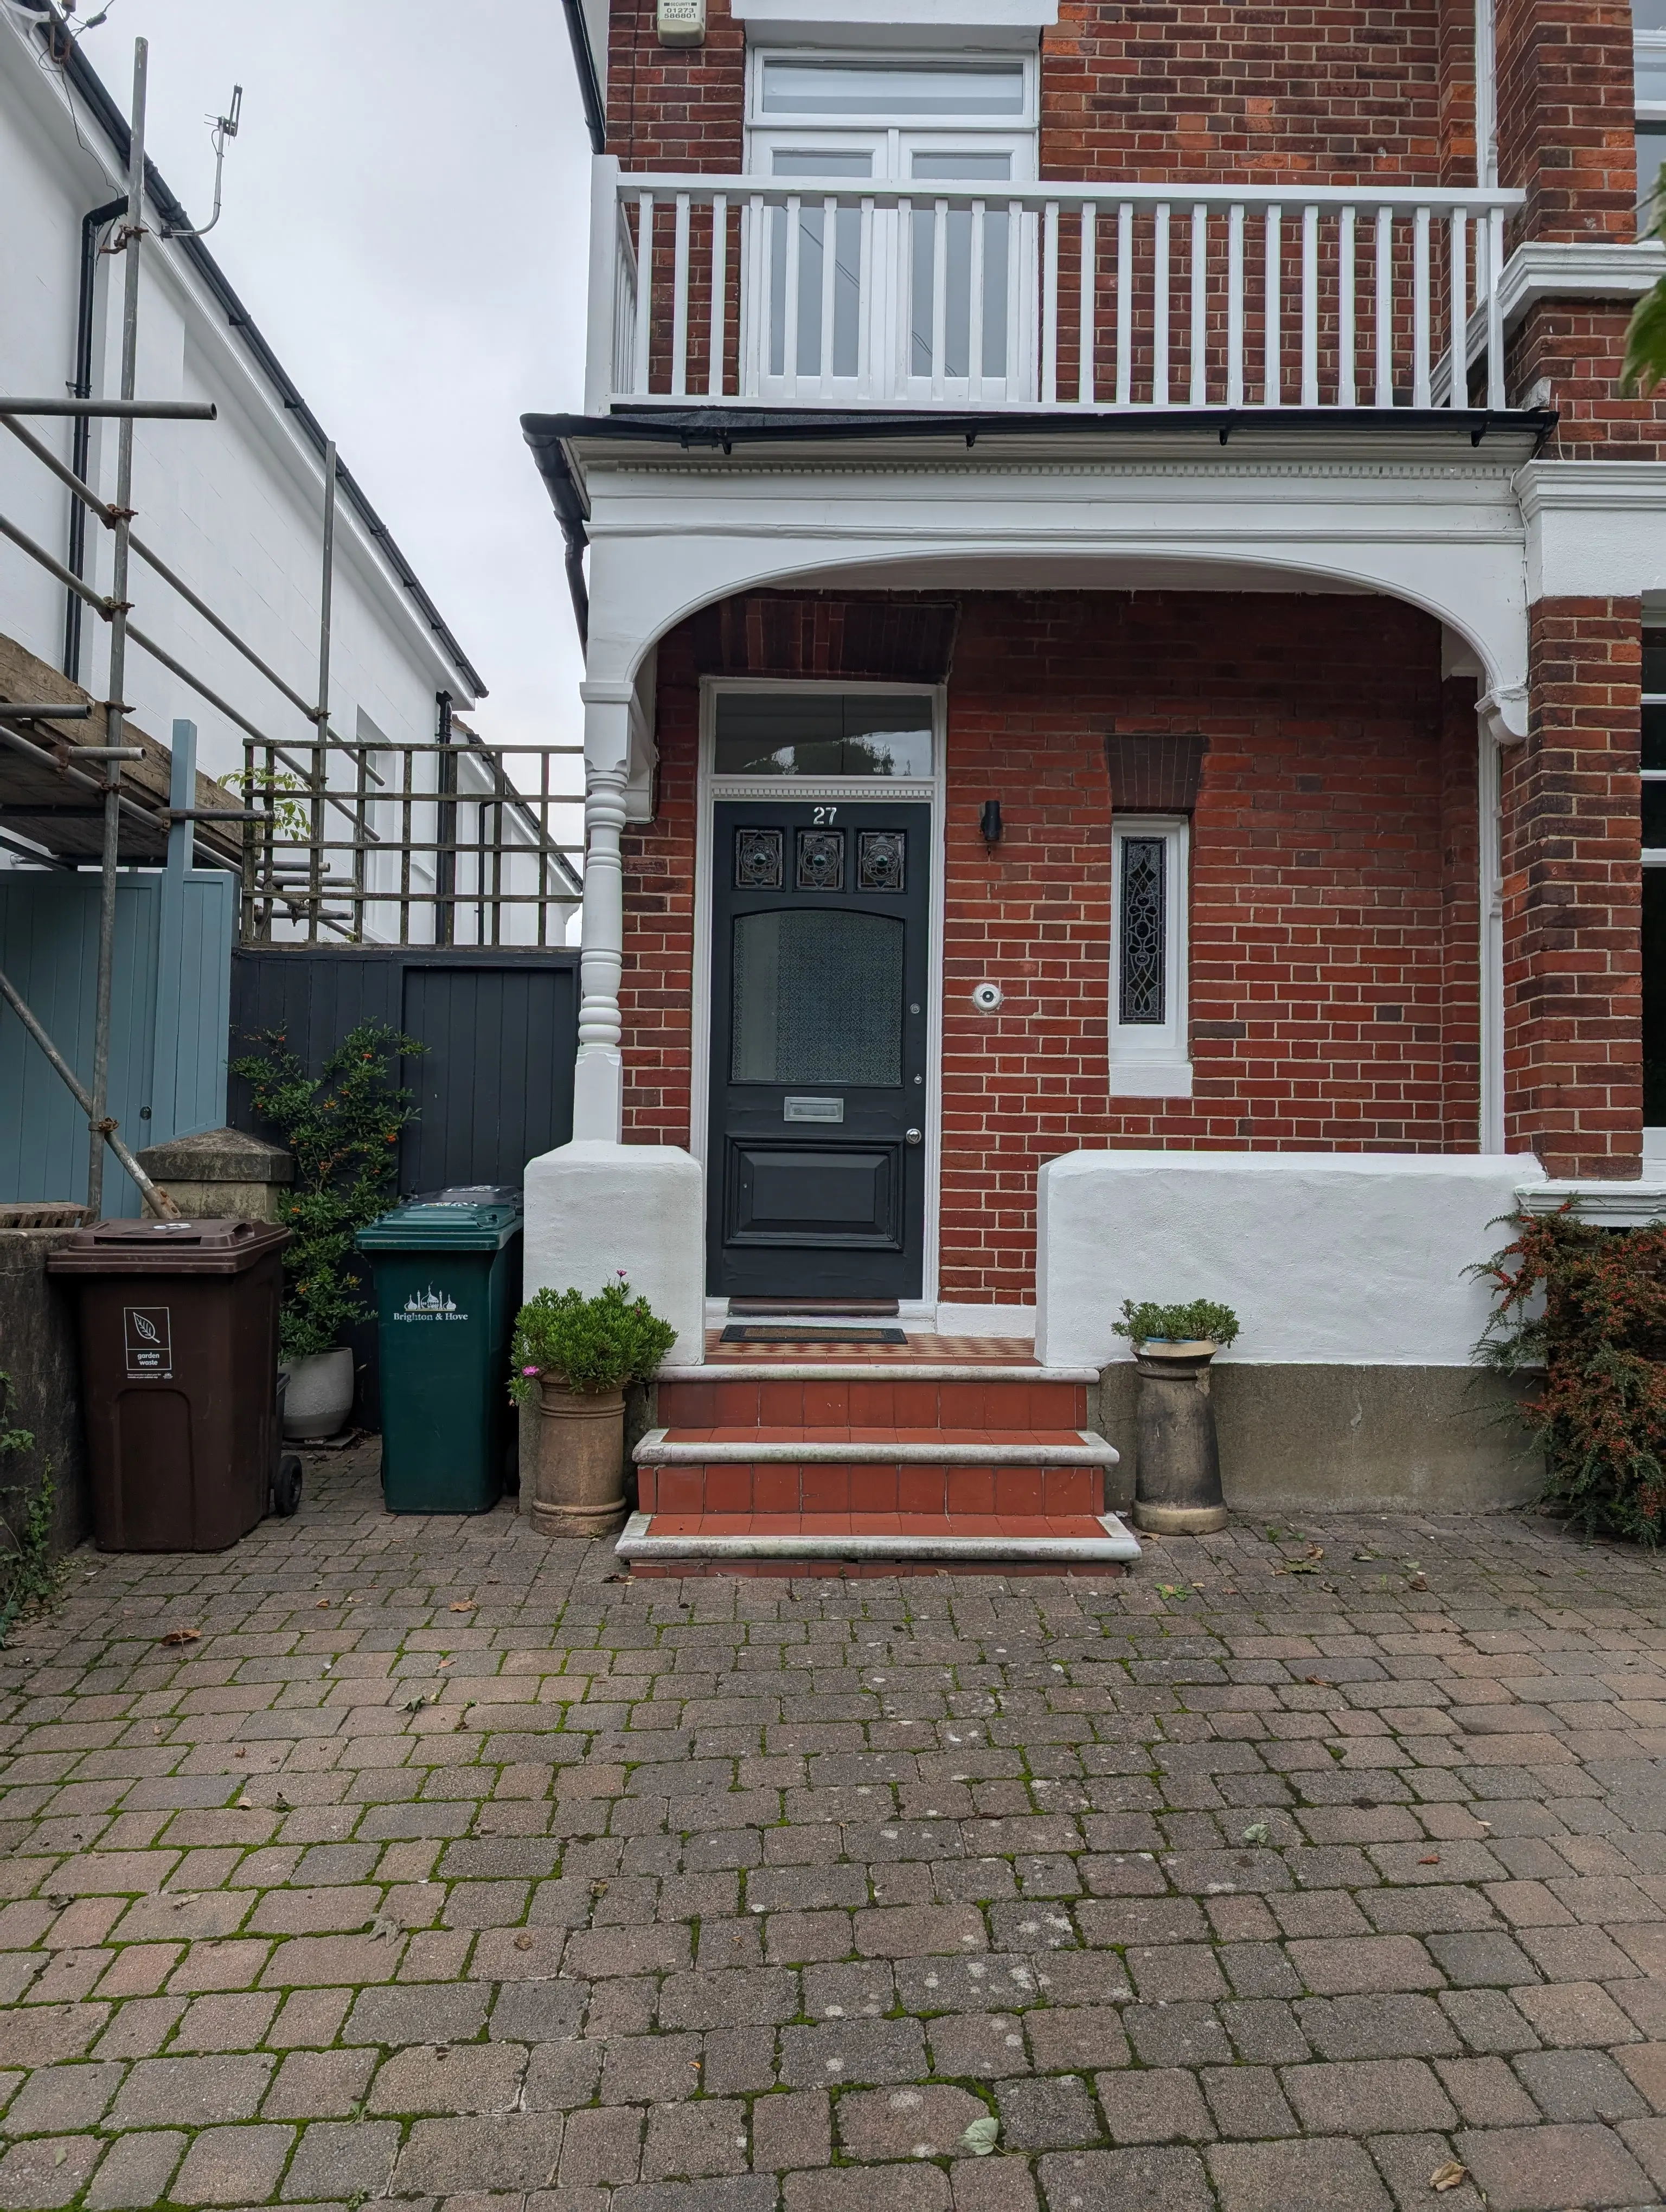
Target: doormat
x=807, y=1333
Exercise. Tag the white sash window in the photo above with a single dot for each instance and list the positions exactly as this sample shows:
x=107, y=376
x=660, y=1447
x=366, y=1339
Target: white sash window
x=901, y=294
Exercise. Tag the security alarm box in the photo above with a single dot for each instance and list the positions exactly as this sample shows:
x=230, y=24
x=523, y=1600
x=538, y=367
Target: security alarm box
x=681, y=22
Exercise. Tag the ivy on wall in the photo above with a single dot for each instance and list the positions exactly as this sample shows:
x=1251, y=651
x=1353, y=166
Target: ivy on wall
x=1585, y=1307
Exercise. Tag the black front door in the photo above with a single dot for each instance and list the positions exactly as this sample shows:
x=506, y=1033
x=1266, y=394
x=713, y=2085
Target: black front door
x=817, y=1162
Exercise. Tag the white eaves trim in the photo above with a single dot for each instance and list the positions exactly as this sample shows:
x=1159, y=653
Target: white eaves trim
x=913, y=23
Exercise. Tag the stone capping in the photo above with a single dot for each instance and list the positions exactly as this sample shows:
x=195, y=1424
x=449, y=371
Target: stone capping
x=218, y=1156
x=1604, y=1204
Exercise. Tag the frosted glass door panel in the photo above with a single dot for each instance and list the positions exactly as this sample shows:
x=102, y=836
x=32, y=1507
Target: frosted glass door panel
x=817, y=999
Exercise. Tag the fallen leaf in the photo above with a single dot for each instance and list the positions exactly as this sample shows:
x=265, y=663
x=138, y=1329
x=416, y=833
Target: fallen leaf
x=60, y=2154
x=241, y=1752
x=1449, y=2176
x=321, y=1602
x=980, y=2137
x=1315, y=1551
x=523, y=1942
x=1417, y=1582
x=462, y=1605
x=1541, y=1570
x=381, y=1927
x=1256, y=1833
x=1319, y=1681
x=416, y=1704
x=1433, y=1859
x=182, y=1635
x=1368, y=1555
x=618, y=1578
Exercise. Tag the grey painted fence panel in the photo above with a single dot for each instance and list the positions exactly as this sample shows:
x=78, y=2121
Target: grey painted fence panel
x=495, y=1089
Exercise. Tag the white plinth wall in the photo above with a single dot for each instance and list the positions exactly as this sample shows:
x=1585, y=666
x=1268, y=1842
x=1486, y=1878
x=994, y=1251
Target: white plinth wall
x=1330, y=1258
x=595, y=1209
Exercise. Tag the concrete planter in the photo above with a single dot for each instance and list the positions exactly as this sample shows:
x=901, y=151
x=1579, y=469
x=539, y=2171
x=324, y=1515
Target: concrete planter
x=1178, y=1491
x=578, y=1487
x=320, y=1393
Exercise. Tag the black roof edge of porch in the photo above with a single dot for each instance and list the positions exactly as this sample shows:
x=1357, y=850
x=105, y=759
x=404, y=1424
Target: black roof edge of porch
x=721, y=428
x=726, y=427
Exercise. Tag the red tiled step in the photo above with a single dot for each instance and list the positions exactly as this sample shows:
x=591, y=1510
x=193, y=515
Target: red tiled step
x=912, y=1396
x=874, y=1543
x=947, y=1472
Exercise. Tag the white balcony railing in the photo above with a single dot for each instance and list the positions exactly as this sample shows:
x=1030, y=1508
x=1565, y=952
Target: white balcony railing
x=805, y=294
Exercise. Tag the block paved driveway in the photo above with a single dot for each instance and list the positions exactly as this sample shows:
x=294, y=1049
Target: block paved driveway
x=438, y=1867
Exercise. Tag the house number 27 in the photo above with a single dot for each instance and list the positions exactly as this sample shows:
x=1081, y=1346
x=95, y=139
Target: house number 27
x=825, y=813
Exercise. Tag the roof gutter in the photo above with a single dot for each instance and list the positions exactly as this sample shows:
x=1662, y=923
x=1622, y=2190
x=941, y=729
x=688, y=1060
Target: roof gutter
x=726, y=428
x=90, y=89
x=590, y=89
x=548, y=441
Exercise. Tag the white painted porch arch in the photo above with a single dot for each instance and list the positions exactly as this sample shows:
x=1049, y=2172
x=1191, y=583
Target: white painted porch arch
x=672, y=533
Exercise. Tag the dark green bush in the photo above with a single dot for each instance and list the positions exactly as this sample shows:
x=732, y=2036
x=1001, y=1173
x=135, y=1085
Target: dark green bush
x=343, y=1126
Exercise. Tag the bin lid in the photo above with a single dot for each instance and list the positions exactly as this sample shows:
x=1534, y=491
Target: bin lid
x=466, y=1218
x=213, y=1247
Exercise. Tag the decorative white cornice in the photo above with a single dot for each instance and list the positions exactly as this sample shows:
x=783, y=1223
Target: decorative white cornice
x=1502, y=713
x=1606, y=1205
x=1580, y=269
x=1566, y=487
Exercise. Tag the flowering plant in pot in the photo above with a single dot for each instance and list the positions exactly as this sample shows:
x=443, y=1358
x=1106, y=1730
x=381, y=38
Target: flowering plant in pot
x=343, y=1126
x=1177, y=1478
x=572, y=1356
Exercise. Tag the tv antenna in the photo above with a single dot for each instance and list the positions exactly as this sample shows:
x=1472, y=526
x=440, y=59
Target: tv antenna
x=224, y=128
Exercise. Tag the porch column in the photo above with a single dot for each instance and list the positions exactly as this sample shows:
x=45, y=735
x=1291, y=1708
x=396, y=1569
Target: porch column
x=599, y=1074
x=1572, y=1011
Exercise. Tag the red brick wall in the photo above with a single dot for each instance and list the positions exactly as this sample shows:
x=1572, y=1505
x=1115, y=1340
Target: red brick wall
x=1572, y=895
x=1564, y=116
x=1333, y=914
x=1574, y=347
x=1206, y=89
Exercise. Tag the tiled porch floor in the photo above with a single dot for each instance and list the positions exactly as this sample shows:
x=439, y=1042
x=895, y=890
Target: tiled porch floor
x=439, y=1867
x=920, y=1346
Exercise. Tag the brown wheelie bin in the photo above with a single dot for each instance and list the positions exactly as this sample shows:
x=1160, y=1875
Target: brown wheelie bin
x=178, y=1367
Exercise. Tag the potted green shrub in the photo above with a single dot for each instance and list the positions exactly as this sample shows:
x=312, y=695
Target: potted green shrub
x=1177, y=1478
x=573, y=1355
x=343, y=1126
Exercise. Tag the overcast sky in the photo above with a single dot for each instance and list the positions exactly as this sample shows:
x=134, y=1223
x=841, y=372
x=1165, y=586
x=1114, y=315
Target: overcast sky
x=404, y=216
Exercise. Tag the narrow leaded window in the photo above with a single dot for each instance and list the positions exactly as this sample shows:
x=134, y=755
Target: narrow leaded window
x=1145, y=931
x=1149, y=1044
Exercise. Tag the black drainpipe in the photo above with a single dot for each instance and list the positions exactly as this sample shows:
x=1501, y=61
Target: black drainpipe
x=81, y=443
x=445, y=860
x=590, y=90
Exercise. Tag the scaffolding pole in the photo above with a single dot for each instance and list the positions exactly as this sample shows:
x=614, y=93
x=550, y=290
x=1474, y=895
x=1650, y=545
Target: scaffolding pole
x=99, y=1125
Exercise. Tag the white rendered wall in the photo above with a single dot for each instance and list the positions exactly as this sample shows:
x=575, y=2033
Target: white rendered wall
x=1345, y=1259
x=235, y=505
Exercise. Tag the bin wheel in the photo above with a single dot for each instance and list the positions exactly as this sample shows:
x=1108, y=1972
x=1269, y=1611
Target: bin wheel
x=286, y=1487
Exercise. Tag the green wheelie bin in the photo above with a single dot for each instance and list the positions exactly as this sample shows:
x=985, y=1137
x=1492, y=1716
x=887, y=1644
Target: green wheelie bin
x=447, y=1269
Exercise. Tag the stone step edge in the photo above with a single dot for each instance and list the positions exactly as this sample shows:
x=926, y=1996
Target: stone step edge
x=1117, y=1547
x=868, y=1370
x=897, y=1449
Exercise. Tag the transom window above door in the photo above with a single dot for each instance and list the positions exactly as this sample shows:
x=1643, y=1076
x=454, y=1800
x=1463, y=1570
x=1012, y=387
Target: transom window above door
x=823, y=734
x=928, y=298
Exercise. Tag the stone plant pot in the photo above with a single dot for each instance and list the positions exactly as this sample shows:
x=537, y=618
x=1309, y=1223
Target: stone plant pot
x=320, y=1393
x=1177, y=1488
x=578, y=1487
